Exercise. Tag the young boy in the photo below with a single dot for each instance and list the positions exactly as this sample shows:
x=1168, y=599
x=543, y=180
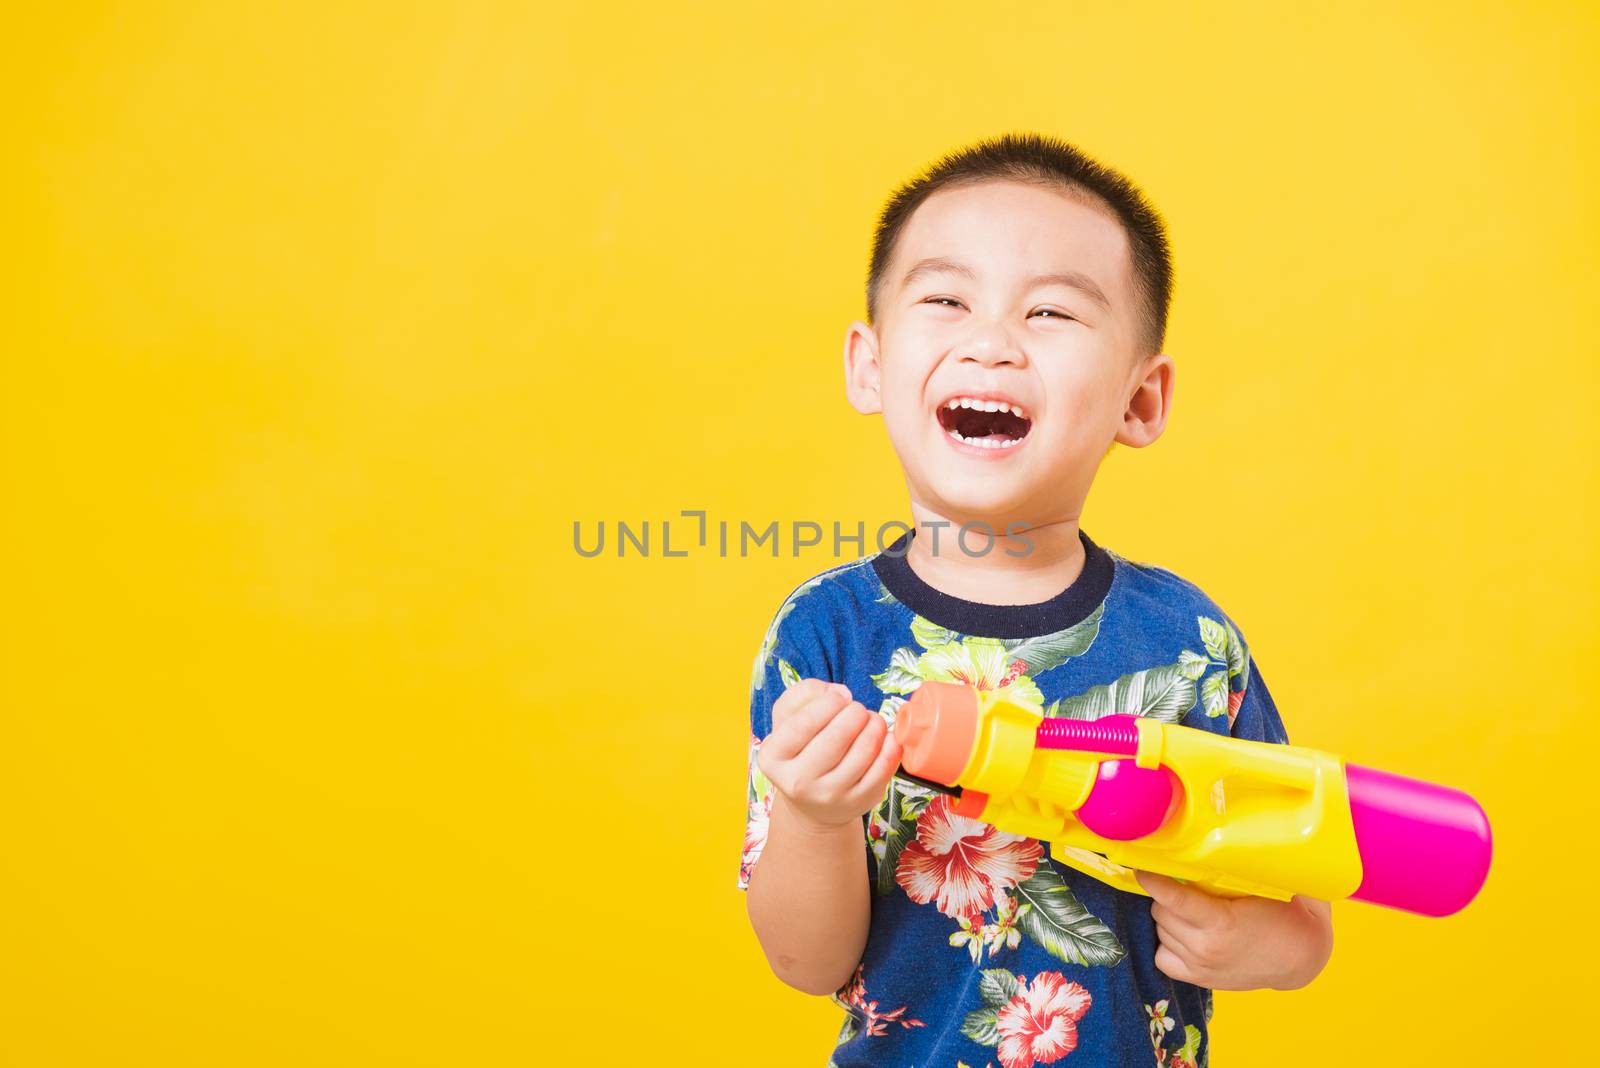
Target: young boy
x=1016, y=312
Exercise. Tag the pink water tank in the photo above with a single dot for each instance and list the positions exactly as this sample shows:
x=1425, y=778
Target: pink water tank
x=1424, y=848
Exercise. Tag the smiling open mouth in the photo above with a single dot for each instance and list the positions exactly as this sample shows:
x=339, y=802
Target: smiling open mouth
x=984, y=423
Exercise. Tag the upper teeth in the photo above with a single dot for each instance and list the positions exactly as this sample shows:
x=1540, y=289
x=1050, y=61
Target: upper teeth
x=984, y=405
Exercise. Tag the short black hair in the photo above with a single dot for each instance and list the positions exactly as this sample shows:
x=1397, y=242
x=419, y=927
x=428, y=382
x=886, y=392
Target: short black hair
x=1046, y=161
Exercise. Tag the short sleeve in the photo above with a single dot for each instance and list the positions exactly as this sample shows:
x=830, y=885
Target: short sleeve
x=793, y=649
x=1257, y=716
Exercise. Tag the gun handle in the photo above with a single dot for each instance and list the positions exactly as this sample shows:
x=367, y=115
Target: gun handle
x=1120, y=876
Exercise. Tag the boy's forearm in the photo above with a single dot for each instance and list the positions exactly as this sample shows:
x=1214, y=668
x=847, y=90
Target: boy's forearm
x=808, y=901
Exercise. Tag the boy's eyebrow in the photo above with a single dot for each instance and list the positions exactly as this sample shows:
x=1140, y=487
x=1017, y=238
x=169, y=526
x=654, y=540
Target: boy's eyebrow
x=1076, y=279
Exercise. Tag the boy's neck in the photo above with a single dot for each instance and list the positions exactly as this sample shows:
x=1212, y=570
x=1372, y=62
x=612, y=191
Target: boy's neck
x=1051, y=559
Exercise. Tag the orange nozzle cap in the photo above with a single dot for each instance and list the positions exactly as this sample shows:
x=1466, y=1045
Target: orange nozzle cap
x=970, y=804
x=936, y=729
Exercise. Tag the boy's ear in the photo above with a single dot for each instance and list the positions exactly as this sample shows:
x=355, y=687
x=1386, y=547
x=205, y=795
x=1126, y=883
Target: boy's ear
x=861, y=371
x=1150, y=403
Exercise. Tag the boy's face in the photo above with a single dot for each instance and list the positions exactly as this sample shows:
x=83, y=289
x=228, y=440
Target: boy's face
x=1056, y=355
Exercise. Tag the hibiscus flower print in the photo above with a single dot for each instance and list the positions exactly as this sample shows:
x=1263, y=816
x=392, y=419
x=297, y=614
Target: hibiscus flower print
x=1028, y=1022
x=755, y=834
x=961, y=865
x=984, y=663
x=1040, y=1024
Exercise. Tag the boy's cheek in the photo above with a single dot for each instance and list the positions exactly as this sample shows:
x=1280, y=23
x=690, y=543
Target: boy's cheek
x=906, y=428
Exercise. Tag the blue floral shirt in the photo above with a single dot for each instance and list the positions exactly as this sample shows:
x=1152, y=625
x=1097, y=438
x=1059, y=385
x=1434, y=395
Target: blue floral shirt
x=982, y=949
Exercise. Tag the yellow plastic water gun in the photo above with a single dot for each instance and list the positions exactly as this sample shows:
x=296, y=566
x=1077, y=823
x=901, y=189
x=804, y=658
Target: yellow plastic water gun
x=1232, y=816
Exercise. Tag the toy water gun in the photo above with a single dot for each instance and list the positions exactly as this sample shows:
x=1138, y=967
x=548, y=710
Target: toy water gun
x=1232, y=816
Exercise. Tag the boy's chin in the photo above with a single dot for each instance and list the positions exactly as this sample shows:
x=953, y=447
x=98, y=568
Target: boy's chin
x=991, y=500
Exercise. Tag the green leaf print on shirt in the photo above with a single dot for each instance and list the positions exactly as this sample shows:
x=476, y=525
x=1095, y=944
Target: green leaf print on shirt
x=1224, y=645
x=902, y=675
x=1162, y=693
x=1192, y=664
x=929, y=635
x=1060, y=923
x=1238, y=655
x=1215, y=638
x=1227, y=651
x=1053, y=650
x=1167, y=692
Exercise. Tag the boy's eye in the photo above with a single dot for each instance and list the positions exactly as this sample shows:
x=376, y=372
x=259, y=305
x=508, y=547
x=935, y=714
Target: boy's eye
x=953, y=302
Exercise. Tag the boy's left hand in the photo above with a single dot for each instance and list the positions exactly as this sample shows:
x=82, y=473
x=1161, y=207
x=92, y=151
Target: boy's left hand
x=1245, y=943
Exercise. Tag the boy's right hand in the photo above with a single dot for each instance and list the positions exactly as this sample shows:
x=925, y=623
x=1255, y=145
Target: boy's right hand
x=828, y=756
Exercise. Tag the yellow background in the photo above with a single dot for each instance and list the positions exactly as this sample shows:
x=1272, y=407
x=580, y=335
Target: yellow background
x=324, y=322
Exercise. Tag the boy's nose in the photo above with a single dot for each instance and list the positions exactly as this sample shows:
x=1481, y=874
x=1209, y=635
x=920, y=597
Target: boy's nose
x=992, y=350
x=996, y=359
